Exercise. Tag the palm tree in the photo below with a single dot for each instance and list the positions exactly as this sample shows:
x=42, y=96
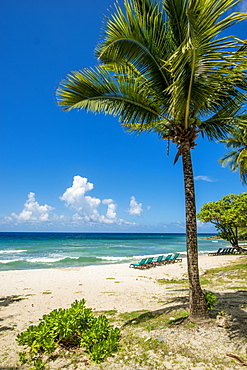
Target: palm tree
x=236, y=159
x=163, y=68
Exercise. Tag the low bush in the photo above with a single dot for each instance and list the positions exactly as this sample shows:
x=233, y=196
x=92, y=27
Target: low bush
x=72, y=327
x=210, y=299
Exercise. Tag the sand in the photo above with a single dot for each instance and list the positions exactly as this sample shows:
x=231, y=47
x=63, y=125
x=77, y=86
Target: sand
x=26, y=295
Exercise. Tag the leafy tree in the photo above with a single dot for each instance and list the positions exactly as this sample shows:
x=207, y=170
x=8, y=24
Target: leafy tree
x=164, y=69
x=237, y=158
x=228, y=215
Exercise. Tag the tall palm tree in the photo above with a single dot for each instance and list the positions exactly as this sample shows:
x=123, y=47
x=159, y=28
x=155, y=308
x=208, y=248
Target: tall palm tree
x=236, y=159
x=163, y=68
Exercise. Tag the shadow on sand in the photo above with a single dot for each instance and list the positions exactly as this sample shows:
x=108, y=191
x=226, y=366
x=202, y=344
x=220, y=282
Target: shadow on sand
x=4, y=302
x=235, y=304
x=232, y=303
x=176, y=304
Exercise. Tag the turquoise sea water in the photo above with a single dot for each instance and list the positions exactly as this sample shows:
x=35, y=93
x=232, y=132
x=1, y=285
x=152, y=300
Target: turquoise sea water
x=21, y=251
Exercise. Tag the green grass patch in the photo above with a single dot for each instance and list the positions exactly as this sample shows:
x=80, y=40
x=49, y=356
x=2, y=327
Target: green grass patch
x=127, y=316
x=240, y=268
x=151, y=320
x=173, y=281
x=238, y=287
x=216, y=276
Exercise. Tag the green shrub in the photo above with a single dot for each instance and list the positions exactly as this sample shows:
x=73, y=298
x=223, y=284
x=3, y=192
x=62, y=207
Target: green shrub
x=210, y=299
x=72, y=327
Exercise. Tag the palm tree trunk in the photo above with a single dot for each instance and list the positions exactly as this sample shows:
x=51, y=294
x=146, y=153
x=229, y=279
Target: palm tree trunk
x=198, y=307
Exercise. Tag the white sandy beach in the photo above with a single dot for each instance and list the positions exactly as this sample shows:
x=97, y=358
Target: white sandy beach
x=103, y=287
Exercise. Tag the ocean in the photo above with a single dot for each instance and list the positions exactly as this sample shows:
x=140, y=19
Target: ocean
x=22, y=250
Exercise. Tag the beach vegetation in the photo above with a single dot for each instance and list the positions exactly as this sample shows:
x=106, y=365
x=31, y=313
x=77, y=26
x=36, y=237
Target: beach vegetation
x=228, y=215
x=177, y=79
x=210, y=299
x=75, y=327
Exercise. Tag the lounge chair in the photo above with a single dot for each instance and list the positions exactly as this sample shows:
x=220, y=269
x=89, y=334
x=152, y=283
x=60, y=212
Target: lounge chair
x=138, y=265
x=226, y=251
x=175, y=258
x=215, y=253
x=159, y=259
x=166, y=260
x=149, y=263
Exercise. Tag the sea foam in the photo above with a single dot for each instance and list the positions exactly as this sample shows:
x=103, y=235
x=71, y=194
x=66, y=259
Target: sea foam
x=12, y=251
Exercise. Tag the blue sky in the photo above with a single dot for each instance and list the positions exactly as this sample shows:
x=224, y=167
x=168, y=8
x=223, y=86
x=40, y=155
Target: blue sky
x=75, y=171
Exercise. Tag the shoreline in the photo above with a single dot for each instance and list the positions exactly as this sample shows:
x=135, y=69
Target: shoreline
x=26, y=295
x=113, y=260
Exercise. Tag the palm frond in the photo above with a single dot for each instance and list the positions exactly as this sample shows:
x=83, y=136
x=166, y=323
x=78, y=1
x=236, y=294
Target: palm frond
x=197, y=64
x=176, y=11
x=230, y=160
x=138, y=36
x=236, y=159
x=228, y=116
x=97, y=90
x=163, y=64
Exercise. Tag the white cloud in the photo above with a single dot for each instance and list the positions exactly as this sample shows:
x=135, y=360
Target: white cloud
x=242, y=7
x=33, y=211
x=205, y=227
x=88, y=210
x=74, y=196
x=111, y=211
x=203, y=178
x=135, y=208
x=107, y=201
x=200, y=223
x=86, y=206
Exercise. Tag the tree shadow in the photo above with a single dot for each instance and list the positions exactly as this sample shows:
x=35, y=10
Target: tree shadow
x=175, y=304
x=5, y=328
x=235, y=304
x=6, y=301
